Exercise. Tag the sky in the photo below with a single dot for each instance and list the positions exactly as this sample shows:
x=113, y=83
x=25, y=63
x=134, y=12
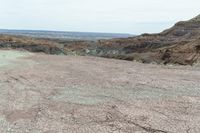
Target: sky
x=113, y=16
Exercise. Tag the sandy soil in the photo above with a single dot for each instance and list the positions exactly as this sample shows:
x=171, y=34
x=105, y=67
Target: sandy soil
x=63, y=94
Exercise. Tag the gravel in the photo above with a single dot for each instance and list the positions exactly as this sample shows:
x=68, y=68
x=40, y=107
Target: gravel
x=62, y=94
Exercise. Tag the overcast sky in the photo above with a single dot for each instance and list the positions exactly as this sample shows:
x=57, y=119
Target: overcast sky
x=119, y=16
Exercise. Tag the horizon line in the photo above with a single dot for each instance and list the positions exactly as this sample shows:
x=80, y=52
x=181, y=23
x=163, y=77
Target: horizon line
x=7, y=29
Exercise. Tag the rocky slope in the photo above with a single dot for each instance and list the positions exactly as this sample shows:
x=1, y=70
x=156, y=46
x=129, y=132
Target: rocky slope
x=30, y=44
x=178, y=45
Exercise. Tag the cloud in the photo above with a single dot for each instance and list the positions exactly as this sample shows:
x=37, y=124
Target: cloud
x=133, y=16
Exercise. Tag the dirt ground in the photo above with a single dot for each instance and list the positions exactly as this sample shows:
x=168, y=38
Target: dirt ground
x=68, y=94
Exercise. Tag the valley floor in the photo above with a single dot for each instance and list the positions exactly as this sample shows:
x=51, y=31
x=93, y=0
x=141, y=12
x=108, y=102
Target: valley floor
x=62, y=94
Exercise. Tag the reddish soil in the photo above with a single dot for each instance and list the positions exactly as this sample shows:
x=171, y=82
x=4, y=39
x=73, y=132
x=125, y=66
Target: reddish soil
x=51, y=94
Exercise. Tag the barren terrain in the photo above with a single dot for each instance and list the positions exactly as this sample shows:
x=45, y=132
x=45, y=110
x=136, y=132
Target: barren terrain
x=179, y=44
x=63, y=94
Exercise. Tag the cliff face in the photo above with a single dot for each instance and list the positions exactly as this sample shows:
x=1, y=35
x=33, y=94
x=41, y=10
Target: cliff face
x=178, y=45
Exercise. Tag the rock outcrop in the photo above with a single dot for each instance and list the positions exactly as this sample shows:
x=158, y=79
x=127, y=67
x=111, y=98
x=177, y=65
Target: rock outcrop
x=179, y=44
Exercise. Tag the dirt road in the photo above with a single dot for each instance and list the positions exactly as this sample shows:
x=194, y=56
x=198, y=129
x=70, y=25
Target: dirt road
x=63, y=94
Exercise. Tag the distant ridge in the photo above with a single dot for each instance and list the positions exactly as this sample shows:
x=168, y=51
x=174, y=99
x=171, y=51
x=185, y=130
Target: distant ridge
x=64, y=34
